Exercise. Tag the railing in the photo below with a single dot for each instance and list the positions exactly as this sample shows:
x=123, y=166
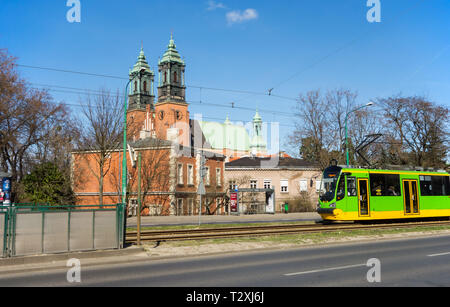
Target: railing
x=30, y=229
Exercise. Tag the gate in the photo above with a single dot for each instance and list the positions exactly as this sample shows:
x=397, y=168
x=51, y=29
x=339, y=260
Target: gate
x=33, y=230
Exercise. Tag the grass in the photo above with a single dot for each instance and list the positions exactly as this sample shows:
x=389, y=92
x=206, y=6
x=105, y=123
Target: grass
x=315, y=238
x=208, y=226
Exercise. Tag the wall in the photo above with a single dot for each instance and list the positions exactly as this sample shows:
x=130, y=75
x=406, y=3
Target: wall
x=244, y=176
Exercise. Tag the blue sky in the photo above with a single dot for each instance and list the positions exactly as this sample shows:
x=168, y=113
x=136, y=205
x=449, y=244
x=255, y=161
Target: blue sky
x=291, y=46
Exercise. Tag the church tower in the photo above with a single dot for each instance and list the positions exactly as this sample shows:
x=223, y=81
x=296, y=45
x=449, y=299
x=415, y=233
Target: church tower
x=141, y=99
x=258, y=144
x=141, y=87
x=171, y=67
x=171, y=109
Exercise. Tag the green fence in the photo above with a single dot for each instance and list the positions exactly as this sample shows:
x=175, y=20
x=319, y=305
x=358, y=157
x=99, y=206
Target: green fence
x=30, y=229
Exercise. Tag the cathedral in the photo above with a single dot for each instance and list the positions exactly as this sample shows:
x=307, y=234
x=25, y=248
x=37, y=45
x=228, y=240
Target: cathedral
x=177, y=152
x=166, y=115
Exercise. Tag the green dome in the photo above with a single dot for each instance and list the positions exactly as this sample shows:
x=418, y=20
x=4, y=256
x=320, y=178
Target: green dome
x=141, y=64
x=171, y=55
x=225, y=136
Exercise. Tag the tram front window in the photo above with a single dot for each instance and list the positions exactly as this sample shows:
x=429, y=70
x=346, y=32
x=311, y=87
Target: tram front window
x=329, y=182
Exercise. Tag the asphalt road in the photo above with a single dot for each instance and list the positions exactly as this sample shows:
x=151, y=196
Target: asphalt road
x=411, y=262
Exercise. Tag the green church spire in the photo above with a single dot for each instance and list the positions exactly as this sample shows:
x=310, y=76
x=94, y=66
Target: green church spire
x=142, y=79
x=171, y=70
x=258, y=144
x=171, y=54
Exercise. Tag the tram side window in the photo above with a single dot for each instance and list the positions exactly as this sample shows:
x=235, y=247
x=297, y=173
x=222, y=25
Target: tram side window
x=434, y=186
x=384, y=185
x=351, y=186
x=341, y=189
x=447, y=185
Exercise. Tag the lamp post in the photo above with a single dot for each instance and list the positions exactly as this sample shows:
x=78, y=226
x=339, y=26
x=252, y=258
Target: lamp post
x=124, y=158
x=346, y=138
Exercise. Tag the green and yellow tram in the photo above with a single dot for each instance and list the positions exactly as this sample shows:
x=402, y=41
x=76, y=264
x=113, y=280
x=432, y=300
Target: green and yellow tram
x=353, y=194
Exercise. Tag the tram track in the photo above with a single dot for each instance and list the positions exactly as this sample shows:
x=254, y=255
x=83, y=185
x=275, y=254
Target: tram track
x=251, y=231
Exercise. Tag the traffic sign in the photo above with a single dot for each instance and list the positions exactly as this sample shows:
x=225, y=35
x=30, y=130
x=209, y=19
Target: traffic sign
x=201, y=188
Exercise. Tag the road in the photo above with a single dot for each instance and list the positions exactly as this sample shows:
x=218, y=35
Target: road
x=410, y=262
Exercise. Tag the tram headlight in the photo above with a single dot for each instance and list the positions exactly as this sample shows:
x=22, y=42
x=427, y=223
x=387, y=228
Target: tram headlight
x=333, y=205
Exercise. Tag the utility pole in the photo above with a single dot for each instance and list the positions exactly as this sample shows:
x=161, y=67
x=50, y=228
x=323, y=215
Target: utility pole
x=139, y=202
x=201, y=187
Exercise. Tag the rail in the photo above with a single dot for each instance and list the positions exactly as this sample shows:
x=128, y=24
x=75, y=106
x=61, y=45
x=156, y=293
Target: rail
x=250, y=231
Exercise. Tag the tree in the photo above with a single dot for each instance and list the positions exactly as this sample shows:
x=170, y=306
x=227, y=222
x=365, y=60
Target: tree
x=46, y=184
x=29, y=121
x=101, y=135
x=155, y=174
x=421, y=128
x=320, y=128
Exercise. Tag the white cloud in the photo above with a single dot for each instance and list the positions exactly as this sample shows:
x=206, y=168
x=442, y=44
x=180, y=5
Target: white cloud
x=213, y=5
x=239, y=17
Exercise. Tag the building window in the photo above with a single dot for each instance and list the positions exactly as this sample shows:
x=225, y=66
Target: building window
x=180, y=173
x=284, y=184
x=145, y=86
x=207, y=177
x=318, y=183
x=179, y=209
x=253, y=184
x=190, y=208
x=303, y=185
x=175, y=77
x=190, y=174
x=135, y=86
x=219, y=177
x=267, y=184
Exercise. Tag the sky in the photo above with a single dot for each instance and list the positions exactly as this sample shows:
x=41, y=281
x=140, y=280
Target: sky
x=237, y=50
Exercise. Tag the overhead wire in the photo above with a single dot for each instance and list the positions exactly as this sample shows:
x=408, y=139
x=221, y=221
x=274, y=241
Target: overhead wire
x=80, y=91
x=187, y=85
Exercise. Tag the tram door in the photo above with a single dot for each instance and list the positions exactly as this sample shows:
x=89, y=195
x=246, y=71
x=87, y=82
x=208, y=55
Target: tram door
x=410, y=197
x=363, y=197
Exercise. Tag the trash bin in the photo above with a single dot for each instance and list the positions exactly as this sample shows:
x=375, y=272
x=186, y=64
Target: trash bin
x=286, y=208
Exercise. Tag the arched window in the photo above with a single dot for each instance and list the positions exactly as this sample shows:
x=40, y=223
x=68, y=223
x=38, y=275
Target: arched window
x=145, y=86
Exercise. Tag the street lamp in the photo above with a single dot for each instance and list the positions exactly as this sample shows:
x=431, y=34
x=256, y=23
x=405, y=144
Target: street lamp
x=124, y=158
x=346, y=118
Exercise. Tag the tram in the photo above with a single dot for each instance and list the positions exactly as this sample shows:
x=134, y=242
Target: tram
x=354, y=194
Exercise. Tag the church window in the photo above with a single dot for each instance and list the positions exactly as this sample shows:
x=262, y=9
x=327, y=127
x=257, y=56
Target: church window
x=135, y=86
x=145, y=86
x=175, y=77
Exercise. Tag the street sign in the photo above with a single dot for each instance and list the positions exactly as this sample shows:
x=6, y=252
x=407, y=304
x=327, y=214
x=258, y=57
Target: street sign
x=234, y=202
x=201, y=188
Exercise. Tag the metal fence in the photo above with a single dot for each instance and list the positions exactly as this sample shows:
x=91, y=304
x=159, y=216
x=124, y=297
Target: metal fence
x=33, y=230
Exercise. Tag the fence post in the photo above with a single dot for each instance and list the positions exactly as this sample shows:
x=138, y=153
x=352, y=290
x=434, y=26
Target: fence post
x=5, y=233
x=121, y=224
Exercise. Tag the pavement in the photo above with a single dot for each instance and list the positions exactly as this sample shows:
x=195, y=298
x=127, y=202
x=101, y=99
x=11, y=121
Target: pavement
x=135, y=253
